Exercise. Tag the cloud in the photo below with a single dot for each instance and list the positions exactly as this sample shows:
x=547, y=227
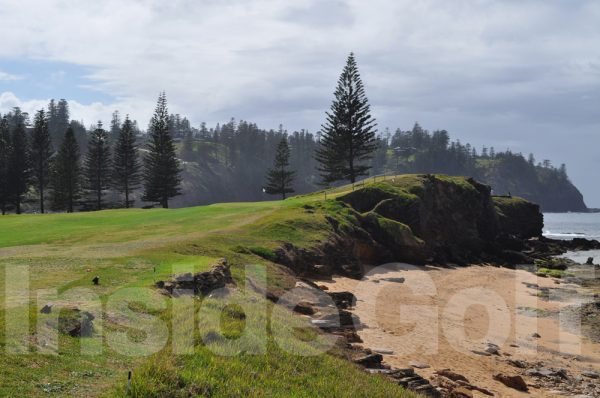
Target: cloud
x=87, y=113
x=524, y=74
x=7, y=77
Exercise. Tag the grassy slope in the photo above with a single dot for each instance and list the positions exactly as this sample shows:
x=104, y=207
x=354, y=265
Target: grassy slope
x=133, y=248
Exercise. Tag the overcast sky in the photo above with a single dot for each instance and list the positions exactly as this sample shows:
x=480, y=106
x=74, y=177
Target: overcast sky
x=523, y=75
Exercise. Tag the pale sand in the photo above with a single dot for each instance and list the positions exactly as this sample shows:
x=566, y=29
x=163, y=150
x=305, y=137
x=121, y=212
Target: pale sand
x=421, y=320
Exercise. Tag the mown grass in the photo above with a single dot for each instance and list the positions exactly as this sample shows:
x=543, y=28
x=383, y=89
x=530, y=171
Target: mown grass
x=130, y=250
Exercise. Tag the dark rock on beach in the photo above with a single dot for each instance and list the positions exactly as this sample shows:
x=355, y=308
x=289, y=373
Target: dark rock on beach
x=513, y=381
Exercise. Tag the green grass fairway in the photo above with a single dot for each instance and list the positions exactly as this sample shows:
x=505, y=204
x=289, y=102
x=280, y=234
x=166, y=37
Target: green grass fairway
x=56, y=254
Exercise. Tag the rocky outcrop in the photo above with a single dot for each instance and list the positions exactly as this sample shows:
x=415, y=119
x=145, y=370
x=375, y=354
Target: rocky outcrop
x=441, y=218
x=418, y=219
x=513, y=381
x=335, y=255
x=201, y=283
x=71, y=321
x=518, y=217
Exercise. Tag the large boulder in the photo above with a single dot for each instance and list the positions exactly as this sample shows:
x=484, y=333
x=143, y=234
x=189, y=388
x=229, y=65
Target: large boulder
x=516, y=382
x=201, y=283
x=73, y=322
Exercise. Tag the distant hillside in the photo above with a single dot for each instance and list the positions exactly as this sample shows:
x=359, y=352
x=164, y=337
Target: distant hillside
x=548, y=187
x=229, y=162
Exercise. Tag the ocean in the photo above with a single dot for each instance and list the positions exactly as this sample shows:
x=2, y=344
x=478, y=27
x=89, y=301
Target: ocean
x=574, y=225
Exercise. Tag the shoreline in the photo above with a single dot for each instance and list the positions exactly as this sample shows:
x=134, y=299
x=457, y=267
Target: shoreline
x=401, y=308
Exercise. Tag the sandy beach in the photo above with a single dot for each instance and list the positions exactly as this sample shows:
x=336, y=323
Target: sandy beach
x=439, y=316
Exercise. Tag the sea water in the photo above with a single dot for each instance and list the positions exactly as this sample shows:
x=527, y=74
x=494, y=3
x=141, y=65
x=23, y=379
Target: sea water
x=574, y=225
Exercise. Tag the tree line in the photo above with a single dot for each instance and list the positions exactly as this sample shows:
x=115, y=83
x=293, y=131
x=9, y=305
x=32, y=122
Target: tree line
x=63, y=180
x=233, y=161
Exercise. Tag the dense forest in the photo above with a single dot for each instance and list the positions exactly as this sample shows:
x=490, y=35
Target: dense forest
x=228, y=162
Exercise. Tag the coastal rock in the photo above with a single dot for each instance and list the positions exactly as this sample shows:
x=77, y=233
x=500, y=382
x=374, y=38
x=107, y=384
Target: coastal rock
x=384, y=351
x=518, y=217
x=515, y=382
x=349, y=335
x=419, y=219
x=319, y=270
x=419, y=365
x=517, y=363
x=591, y=374
x=342, y=300
x=590, y=261
x=544, y=372
x=418, y=384
x=516, y=257
x=337, y=252
x=492, y=349
x=395, y=280
x=337, y=320
x=371, y=361
x=461, y=392
x=452, y=375
x=304, y=308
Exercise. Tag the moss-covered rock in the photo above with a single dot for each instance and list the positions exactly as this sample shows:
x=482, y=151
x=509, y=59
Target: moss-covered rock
x=365, y=199
x=417, y=218
x=395, y=236
x=518, y=217
x=453, y=216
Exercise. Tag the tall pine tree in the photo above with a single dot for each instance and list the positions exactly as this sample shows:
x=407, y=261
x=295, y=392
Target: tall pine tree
x=162, y=170
x=5, y=150
x=348, y=136
x=126, y=165
x=97, y=164
x=115, y=127
x=18, y=166
x=66, y=174
x=41, y=151
x=279, y=178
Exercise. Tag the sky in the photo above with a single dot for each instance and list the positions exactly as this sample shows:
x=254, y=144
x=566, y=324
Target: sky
x=523, y=75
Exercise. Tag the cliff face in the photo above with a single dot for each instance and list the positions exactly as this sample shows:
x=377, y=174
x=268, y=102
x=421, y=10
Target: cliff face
x=518, y=217
x=422, y=218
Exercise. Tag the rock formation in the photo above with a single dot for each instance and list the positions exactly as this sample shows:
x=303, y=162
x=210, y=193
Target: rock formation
x=418, y=219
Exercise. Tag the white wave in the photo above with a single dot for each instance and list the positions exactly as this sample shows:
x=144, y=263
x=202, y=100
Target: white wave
x=565, y=234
